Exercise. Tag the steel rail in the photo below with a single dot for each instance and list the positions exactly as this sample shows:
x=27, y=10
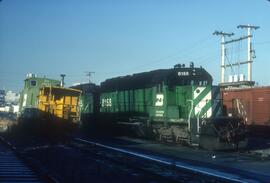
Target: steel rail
x=194, y=169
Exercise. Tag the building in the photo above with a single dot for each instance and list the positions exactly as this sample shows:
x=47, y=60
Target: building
x=12, y=98
x=2, y=98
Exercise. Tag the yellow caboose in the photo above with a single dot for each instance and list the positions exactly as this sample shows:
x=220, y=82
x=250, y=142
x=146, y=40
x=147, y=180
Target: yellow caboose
x=60, y=102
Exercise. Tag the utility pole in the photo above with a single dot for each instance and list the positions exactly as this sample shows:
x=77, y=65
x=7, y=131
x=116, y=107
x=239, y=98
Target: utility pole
x=62, y=80
x=222, y=34
x=89, y=74
x=250, y=50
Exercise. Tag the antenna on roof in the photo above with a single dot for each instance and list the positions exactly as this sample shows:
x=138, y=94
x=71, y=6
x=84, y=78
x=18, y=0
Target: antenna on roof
x=62, y=80
x=89, y=74
x=191, y=64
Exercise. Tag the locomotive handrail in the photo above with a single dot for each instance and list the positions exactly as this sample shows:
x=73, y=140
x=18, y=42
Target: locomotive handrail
x=189, y=116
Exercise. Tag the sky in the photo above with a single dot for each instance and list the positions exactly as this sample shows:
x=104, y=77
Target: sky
x=119, y=37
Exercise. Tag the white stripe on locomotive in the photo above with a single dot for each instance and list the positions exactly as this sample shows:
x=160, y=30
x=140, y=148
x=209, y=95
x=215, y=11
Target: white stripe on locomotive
x=207, y=98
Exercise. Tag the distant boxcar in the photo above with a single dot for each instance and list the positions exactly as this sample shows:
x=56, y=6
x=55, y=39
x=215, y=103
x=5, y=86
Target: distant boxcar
x=253, y=104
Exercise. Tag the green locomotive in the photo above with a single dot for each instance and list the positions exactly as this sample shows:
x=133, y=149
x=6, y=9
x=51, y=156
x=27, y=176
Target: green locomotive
x=89, y=102
x=172, y=95
x=178, y=105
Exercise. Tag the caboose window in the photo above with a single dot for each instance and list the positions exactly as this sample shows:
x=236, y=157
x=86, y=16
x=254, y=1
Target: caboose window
x=33, y=83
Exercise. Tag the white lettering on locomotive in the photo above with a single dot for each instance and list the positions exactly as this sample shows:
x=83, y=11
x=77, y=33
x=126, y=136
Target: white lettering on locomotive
x=183, y=73
x=159, y=99
x=106, y=102
x=159, y=113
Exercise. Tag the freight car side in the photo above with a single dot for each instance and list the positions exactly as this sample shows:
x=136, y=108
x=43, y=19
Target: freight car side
x=253, y=104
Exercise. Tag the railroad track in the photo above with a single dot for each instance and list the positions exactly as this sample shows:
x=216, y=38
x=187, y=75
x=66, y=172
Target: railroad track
x=12, y=169
x=148, y=167
x=163, y=169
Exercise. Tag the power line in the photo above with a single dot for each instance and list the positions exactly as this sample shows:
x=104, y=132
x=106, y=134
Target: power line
x=193, y=45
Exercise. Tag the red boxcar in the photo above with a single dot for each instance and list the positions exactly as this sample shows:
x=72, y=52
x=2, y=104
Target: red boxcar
x=253, y=104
